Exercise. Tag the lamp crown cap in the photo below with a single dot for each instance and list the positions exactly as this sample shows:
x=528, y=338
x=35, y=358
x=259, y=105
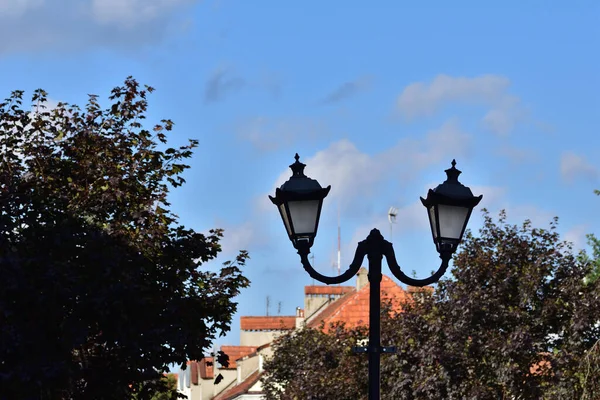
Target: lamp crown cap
x=453, y=173
x=298, y=167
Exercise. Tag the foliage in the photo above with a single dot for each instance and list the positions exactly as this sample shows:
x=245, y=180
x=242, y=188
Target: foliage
x=594, y=244
x=590, y=365
x=165, y=389
x=101, y=285
x=310, y=364
x=514, y=321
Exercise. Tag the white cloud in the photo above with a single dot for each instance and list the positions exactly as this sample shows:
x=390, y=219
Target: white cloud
x=348, y=89
x=220, y=84
x=410, y=218
x=130, y=12
x=355, y=175
x=270, y=134
x=356, y=178
x=505, y=114
x=539, y=217
x=576, y=235
x=17, y=8
x=517, y=155
x=573, y=166
x=240, y=237
x=71, y=25
x=424, y=99
x=413, y=217
x=492, y=195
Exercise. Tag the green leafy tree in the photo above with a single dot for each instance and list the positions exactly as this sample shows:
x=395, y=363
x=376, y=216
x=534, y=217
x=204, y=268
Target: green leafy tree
x=594, y=244
x=102, y=287
x=515, y=320
x=310, y=364
x=590, y=365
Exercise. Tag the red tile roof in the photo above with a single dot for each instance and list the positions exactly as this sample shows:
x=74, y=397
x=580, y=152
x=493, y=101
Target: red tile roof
x=267, y=323
x=314, y=289
x=242, y=388
x=207, y=369
x=237, y=352
x=194, y=373
x=353, y=308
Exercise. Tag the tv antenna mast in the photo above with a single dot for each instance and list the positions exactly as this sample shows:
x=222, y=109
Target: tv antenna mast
x=268, y=304
x=392, y=214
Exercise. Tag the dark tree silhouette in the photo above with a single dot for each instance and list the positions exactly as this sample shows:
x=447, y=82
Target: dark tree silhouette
x=101, y=285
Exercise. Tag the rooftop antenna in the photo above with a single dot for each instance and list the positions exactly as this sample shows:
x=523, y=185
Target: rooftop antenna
x=268, y=304
x=392, y=214
x=279, y=308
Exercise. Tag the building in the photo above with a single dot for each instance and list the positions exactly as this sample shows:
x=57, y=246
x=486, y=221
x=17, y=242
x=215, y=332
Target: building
x=322, y=304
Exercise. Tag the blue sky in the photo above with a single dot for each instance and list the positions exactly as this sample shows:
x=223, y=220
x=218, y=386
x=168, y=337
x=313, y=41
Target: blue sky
x=377, y=100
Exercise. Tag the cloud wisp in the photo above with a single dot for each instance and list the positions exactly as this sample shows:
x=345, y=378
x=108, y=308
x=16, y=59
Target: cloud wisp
x=347, y=90
x=421, y=99
x=220, y=84
x=270, y=134
x=573, y=166
x=358, y=175
x=74, y=25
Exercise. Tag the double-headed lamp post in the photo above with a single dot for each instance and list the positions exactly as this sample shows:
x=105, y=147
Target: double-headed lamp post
x=449, y=207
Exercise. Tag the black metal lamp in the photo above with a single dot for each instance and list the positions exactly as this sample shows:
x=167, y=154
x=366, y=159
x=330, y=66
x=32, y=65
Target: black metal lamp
x=299, y=201
x=449, y=208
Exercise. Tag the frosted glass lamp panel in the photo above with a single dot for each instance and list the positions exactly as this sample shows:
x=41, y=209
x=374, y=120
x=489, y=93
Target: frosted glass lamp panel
x=304, y=216
x=285, y=218
x=452, y=220
x=433, y=222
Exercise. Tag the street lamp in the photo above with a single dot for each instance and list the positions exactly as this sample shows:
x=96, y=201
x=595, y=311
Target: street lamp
x=449, y=207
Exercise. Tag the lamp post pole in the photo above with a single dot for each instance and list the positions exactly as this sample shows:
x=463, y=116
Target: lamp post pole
x=374, y=346
x=449, y=208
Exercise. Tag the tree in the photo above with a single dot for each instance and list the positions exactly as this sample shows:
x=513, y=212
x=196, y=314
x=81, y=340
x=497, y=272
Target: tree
x=310, y=364
x=164, y=389
x=515, y=320
x=594, y=244
x=590, y=365
x=101, y=284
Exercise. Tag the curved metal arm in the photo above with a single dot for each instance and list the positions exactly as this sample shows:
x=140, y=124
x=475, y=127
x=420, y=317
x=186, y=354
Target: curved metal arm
x=304, y=250
x=390, y=256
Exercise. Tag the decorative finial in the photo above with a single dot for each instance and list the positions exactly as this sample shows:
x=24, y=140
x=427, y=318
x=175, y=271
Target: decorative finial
x=452, y=173
x=297, y=167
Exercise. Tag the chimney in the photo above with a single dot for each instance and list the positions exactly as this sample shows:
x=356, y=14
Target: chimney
x=362, y=278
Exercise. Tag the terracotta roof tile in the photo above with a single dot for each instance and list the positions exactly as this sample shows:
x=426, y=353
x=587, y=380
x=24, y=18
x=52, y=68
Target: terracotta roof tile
x=353, y=308
x=241, y=388
x=267, y=323
x=194, y=372
x=329, y=310
x=237, y=352
x=207, y=368
x=320, y=289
